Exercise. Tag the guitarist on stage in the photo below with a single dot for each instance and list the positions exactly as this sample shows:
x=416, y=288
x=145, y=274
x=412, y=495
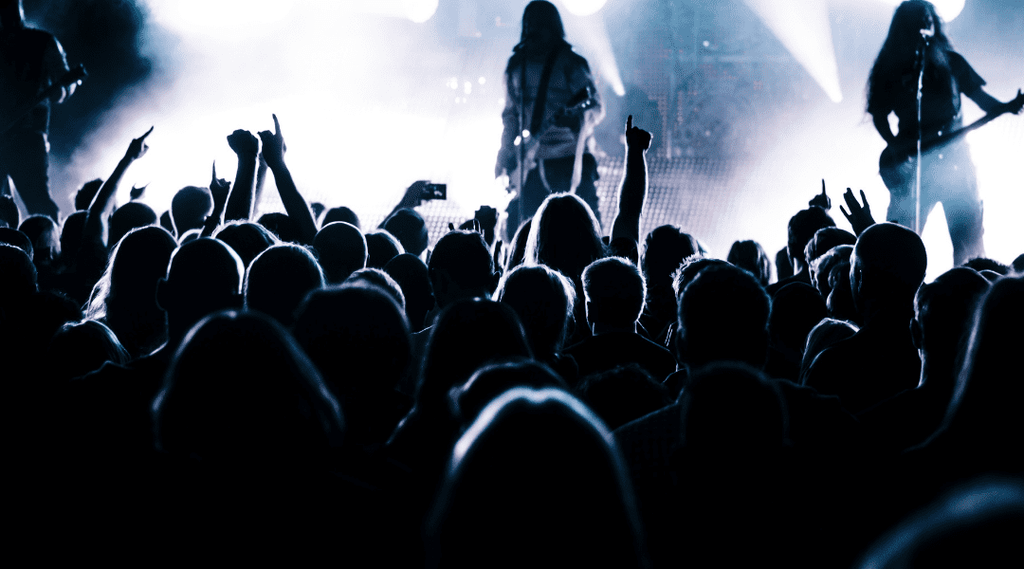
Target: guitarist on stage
x=947, y=173
x=30, y=61
x=551, y=94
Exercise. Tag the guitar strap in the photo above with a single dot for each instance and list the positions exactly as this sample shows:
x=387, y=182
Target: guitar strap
x=542, y=90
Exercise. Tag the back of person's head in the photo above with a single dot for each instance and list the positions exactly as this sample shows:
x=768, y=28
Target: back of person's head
x=410, y=229
x=461, y=258
x=203, y=276
x=137, y=262
x=796, y=308
x=984, y=263
x=17, y=275
x=665, y=248
x=826, y=333
x=85, y=194
x=247, y=239
x=536, y=478
x=127, y=217
x=45, y=238
x=279, y=278
x=490, y=381
x=821, y=267
x=357, y=336
x=189, y=208
x=824, y=240
x=802, y=228
x=71, y=234
x=723, y=315
x=341, y=249
x=381, y=280
x=240, y=392
x=517, y=250
x=565, y=235
x=410, y=272
x=691, y=267
x=466, y=335
x=81, y=347
x=281, y=225
x=731, y=407
x=622, y=394
x=749, y=255
x=381, y=247
x=16, y=238
x=341, y=213
x=544, y=300
x=887, y=266
x=9, y=214
x=615, y=292
x=944, y=311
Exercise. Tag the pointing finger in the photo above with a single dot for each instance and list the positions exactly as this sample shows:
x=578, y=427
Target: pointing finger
x=629, y=122
x=277, y=126
x=143, y=137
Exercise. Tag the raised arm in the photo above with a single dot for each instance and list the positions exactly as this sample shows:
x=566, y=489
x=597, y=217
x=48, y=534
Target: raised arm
x=412, y=197
x=294, y=204
x=242, y=198
x=219, y=189
x=634, y=184
x=102, y=204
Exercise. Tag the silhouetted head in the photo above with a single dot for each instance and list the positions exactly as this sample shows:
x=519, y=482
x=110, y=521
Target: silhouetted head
x=750, y=256
x=19, y=275
x=358, y=338
x=944, y=311
x=492, y=380
x=821, y=267
x=341, y=213
x=542, y=24
x=691, y=267
x=887, y=266
x=983, y=263
x=622, y=394
x=665, y=248
x=381, y=247
x=240, y=392
x=410, y=229
x=544, y=301
x=127, y=217
x=85, y=194
x=279, y=278
x=204, y=276
x=565, y=236
x=341, y=250
x=247, y=239
x=465, y=336
x=9, y=215
x=535, y=478
x=731, y=407
x=381, y=280
x=189, y=208
x=796, y=308
x=281, y=225
x=826, y=333
x=898, y=52
x=410, y=272
x=615, y=291
x=840, y=297
x=723, y=316
x=461, y=267
x=824, y=240
x=45, y=238
x=71, y=234
x=82, y=347
x=517, y=253
x=17, y=239
x=802, y=228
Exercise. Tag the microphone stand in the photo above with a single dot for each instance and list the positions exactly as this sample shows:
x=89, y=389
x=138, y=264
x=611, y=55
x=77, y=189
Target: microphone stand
x=921, y=50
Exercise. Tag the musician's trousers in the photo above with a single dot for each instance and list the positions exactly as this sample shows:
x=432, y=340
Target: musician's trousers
x=558, y=173
x=947, y=176
x=23, y=157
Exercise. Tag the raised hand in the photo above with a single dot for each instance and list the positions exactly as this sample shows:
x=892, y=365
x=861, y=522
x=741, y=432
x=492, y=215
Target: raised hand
x=219, y=187
x=137, y=192
x=273, y=145
x=137, y=149
x=821, y=200
x=859, y=216
x=636, y=137
x=244, y=143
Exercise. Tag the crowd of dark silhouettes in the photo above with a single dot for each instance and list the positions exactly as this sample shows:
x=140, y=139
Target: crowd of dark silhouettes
x=578, y=397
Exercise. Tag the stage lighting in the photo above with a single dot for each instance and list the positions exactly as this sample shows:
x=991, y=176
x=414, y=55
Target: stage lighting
x=583, y=7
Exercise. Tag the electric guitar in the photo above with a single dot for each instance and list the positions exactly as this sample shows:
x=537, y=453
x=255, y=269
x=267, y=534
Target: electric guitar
x=896, y=163
x=14, y=117
x=569, y=116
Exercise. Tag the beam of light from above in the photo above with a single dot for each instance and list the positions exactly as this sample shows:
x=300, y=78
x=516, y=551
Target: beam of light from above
x=803, y=28
x=583, y=7
x=590, y=35
x=948, y=9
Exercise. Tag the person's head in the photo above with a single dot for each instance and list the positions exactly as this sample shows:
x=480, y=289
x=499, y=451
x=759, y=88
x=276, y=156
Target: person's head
x=944, y=310
x=665, y=248
x=899, y=49
x=9, y=214
x=19, y=275
x=189, y=208
x=614, y=290
x=985, y=264
x=536, y=478
x=802, y=228
x=45, y=238
x=127, y=217
x=622, y=394
x=490, y=381
x=461, y=267
x=17, y=239
x=544, y=300
x=341, y=249
x=749, y=255
x=410, y=272
x=341, y=213
x=730, y=406
x=240, y=392
x=247, y=239
x=358, y=338
x=822, y=266
x=203, y=277
x=12, y=16
x=887, y=266
x=542, y=24
x=824, y=240
x=281, y=225
x=81, y=347
x=913, y=16
x=723, y=316
x=85, y=194
x=71, y=233
x=381, y=280
x=824, y=334
x=564, y=235
x=381, y=247
x=410, y=229
x=279, y=278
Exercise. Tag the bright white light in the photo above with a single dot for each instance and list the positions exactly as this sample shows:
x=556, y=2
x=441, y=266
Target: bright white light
x=419, y=11
x=482, y=80
x=467, y=87
x=226, y=20
x=583, y=7
x=590, y=36
x=948, y=9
